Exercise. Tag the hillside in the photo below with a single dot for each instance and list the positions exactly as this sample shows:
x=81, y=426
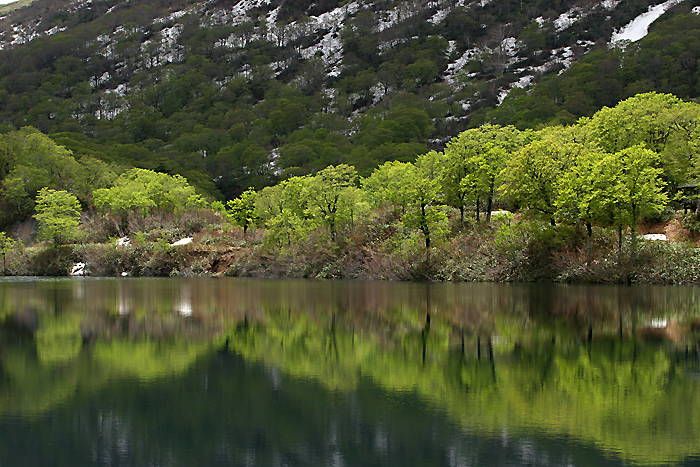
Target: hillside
x=233, y=94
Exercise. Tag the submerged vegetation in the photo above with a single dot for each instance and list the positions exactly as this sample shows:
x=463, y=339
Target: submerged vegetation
x=561, y=203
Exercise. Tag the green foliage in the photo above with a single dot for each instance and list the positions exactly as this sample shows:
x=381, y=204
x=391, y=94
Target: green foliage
x=58, y=214
x=30, y=161
x=473, y=161
x=330, y=194
x=531, y=177
x=145, y=191
x=661, y=122
x=242, y=210
x=6, y=244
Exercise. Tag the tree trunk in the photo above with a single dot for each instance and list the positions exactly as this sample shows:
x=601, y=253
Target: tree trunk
x=478, y=208
x=424, y=228
x=589, y=249
x=461, y=217
x=489, y=203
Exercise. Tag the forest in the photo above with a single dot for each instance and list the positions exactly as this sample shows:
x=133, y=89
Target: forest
x=499, y=203
x=228, y=107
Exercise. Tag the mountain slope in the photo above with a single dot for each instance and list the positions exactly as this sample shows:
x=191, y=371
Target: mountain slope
x=245, y=92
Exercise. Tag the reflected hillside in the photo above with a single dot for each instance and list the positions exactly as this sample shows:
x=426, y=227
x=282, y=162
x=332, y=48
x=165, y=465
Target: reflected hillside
x=610, y=367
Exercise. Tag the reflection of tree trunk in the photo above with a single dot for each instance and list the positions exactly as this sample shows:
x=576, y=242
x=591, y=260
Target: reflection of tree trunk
x=424, y=333
x=633, y=311
x=619, y=312
x=426, y=329
x=489, y=345
x=334, y=341
x=590, y=318
x=478, y=347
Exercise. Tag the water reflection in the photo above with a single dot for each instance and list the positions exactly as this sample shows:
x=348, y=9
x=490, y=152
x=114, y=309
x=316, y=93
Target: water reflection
x=246, y=372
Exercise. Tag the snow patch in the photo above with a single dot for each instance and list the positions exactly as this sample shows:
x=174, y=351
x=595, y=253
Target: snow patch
x=237, y=15
x=610, y=4
x=272, y=16
x=440, y=16
x=172, y=16
x=123, y=241
x=456, y=66
x=451, y=47
x=639, y=27
x=509, y=46
x=384, y=46
x=78, y=269
x=391, y=18
x=184, y=241
x=655, y=237
x=54, y=30
x=567, y=19
x=565, y=57
x=330, y=48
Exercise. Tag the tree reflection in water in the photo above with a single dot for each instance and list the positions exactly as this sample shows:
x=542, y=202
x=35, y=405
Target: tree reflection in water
x=245, y=372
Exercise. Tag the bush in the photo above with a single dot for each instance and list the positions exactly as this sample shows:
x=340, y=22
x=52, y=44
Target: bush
x=529, y=248
x=37, y=261
x=104, y=259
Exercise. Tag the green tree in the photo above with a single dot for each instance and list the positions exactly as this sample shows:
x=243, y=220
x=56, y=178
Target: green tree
x=387, y=186
x=473, y=161
x=326, y=192
x=242, y=210
x=424, y=194
x=662, y=123
x=412, y=190
x=285, y=210
x=144, y=191
x=6, y=244
x=636, y=188
x=58, y=214
x=584, y=192
x=531, y=177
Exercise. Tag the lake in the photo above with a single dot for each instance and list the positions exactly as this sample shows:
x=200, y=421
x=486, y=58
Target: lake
x=238, y=372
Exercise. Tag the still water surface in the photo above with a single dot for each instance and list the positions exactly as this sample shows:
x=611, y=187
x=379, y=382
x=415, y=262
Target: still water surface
x=219, y=372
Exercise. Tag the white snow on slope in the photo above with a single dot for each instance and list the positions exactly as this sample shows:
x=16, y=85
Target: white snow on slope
x=568, y=18
x=639, y=27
